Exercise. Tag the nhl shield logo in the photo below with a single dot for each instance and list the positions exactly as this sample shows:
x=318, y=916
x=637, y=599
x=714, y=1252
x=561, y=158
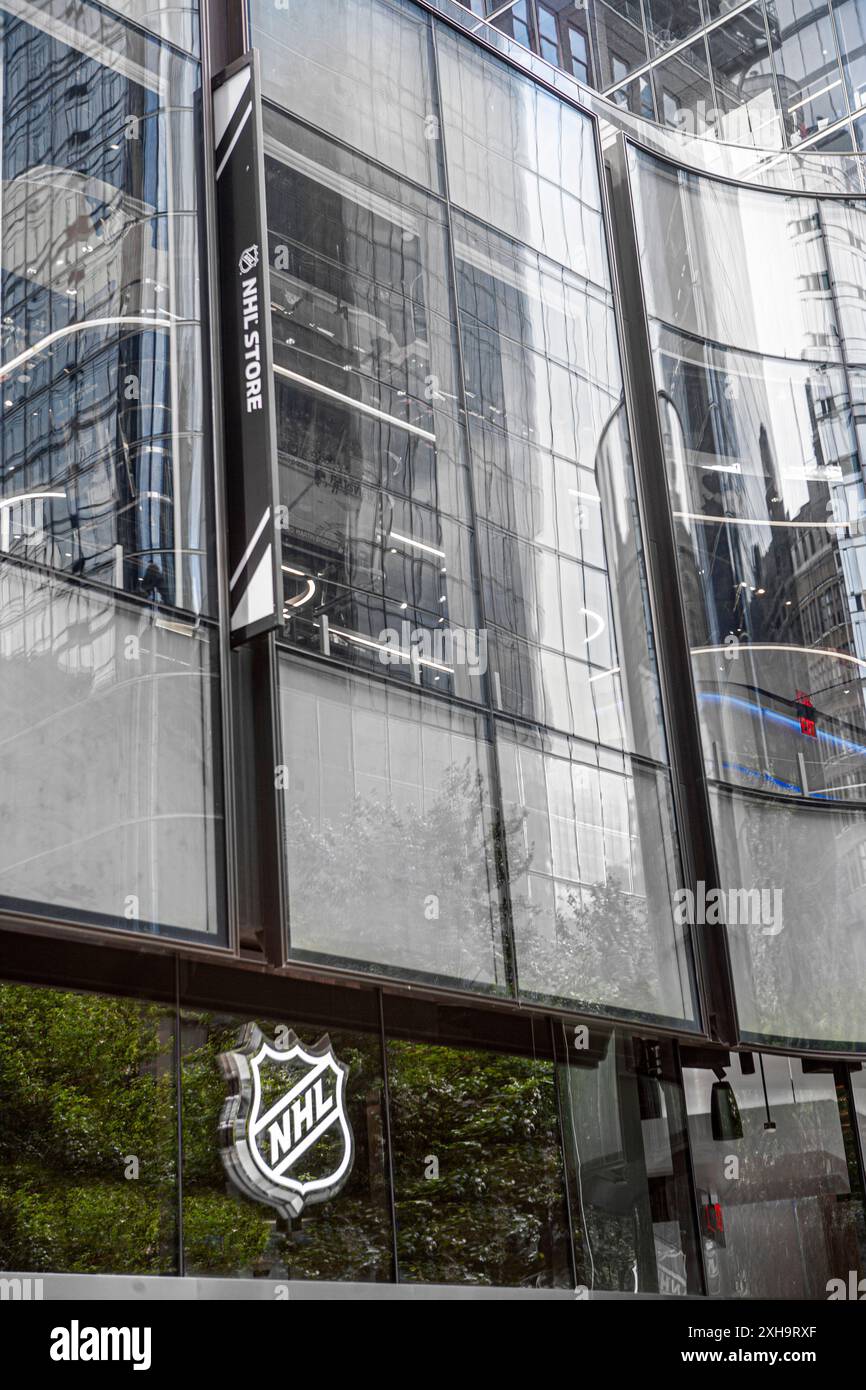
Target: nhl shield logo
x=285, y=1137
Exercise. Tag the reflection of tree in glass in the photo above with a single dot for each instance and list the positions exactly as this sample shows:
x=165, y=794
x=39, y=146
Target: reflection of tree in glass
x=495, y=1213
x=599, y=949
x=85, y=1083
x=408, y=887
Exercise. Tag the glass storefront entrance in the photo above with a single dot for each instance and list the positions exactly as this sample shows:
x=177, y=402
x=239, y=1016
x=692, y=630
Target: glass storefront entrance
x=484, y=1152
x=777, y=1170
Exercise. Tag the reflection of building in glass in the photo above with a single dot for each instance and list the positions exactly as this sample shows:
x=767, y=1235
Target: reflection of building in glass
x=502, y=882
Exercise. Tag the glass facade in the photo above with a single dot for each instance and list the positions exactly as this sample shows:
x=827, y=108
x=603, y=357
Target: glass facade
x=462, y=519
x=771, y=73
x=781, y=1205
x=757, y=383
x=111, y=800
x=488, y=913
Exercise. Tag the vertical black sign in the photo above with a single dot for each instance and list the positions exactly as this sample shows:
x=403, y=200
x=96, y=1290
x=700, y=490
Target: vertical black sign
x=255, y=578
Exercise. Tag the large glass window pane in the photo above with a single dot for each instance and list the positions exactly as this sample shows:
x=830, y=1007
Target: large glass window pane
x=225, y=1233
x=390, y=556
x=104, y=465
x=671, y=21
x=110, y=800
x=358, y=69
x=592, y=860
x=684, y=95
x=742, y=75
x=478, y=1175
x=371, y=453
x=521, y=159
x=735, y=265
x=768, y=496
x=88, y=1144
x=389, y=830
x=807, y=66
x=809, y=868
x=780, y=1202
x=766, y=486
x=553, y=490
x=627, y=1159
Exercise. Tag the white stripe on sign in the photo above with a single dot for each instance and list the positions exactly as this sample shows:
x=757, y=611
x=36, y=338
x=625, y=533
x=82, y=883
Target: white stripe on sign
x=250, y=548
x=226, y=100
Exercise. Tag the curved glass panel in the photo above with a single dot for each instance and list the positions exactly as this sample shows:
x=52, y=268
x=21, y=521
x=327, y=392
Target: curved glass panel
x=780, y=1204
x=746, y=88
x=734, y=266
x=626, y=1151
x=358, y=69
x=760, y=405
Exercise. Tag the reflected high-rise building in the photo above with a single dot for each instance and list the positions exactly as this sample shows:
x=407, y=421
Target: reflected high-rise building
x=432, y=648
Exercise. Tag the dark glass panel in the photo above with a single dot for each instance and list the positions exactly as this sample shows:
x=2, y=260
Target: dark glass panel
x=100, y=477
x=624, y=1132
x=638, y=97
x=671, y=21
x=684, y=95
x=564, y=37
x=358, y=69
x=516, y=22
x=742, y=74
x=101, y=304
x=620, y=42
x=841, y=141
